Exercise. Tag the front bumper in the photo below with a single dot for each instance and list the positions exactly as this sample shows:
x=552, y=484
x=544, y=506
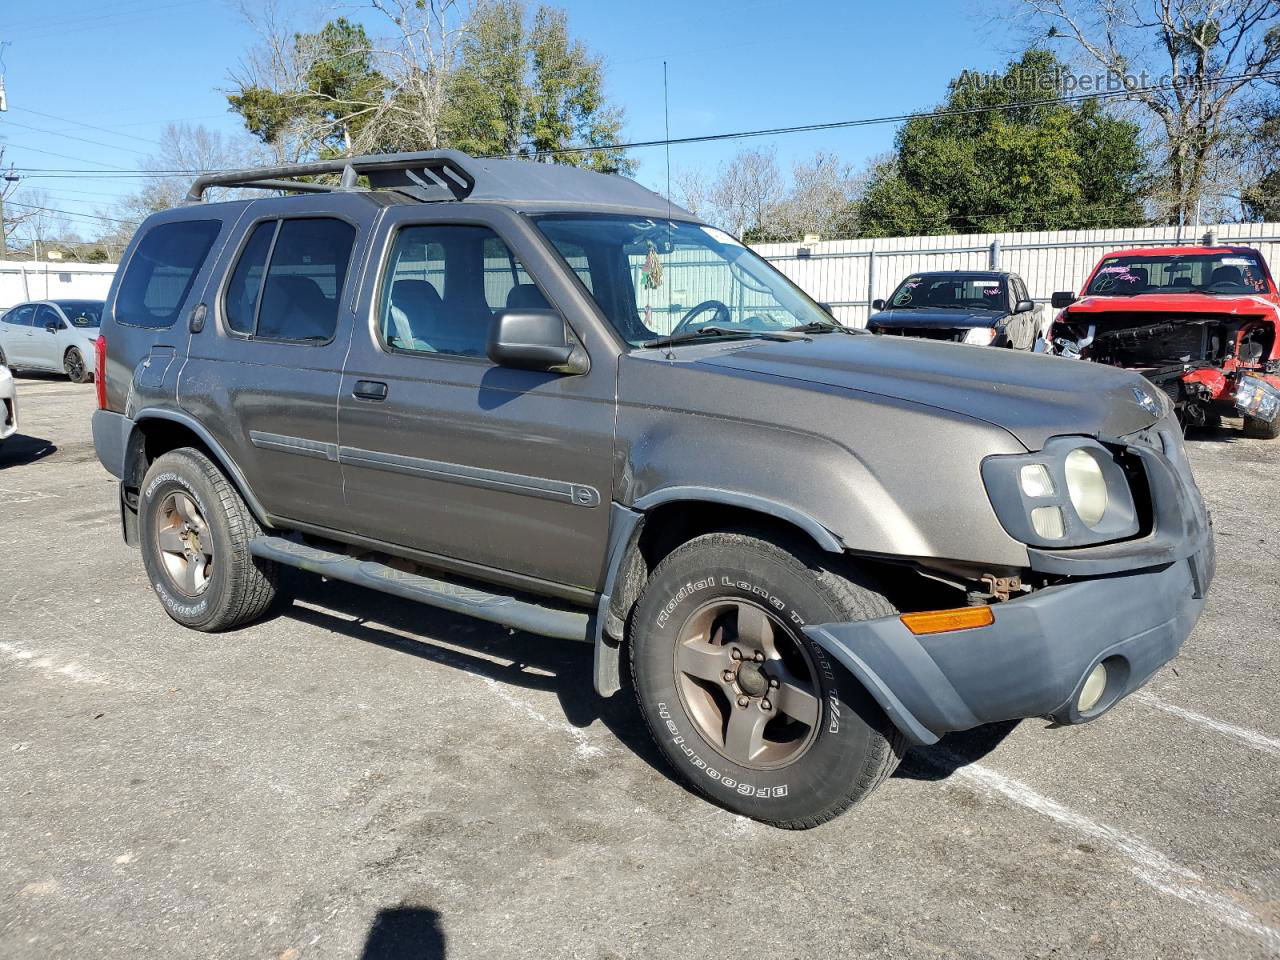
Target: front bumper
x=1033, y=660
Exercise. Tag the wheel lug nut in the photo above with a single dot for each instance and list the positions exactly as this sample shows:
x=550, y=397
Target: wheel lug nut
x=773, y=684
x=727, y=676
x=735, y=654
x=759, y=657
x=743, y=701
x=766, y=706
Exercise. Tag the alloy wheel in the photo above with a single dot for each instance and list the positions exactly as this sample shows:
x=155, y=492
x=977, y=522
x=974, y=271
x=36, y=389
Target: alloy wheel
x=748, y=683
x=185, y=544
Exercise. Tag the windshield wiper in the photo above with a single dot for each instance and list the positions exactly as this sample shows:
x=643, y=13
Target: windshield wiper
x=713, y=331
x=817, y=326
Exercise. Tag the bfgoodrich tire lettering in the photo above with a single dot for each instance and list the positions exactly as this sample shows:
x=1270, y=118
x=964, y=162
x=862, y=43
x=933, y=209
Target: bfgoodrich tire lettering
x=816, y=773
x=233, y=587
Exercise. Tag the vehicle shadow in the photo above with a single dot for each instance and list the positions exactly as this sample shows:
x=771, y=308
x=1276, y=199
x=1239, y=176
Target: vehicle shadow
x=21, y=449
x=487, y=650
x=405, y=933
x=955, y=750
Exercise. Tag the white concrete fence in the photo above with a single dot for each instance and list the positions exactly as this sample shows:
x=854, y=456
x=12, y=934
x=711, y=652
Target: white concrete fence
x=847, y=274
x=21, y=280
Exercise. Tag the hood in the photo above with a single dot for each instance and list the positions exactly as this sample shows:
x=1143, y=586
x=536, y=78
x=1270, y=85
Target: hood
x=1166, y=303
x=1032, y=396
x=945, y=318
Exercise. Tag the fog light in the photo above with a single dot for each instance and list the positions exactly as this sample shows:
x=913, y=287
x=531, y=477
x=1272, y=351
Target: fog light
x=1094, y=685
x=1047, y=522
x=1036, y=481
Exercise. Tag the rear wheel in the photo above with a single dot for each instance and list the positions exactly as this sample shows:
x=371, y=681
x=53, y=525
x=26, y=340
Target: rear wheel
x=1262, y=429
x=74, y=366
x=746, y=707
x=195, y=531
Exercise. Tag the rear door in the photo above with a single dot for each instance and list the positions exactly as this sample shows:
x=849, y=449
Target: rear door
x=503, y=473
x=264, y=374
x=15, y=334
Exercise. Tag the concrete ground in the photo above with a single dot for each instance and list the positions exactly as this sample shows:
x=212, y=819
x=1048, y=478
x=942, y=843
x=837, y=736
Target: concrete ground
x=361, y=777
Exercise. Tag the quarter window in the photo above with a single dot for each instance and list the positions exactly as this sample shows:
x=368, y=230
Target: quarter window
x=297, y=297
x=161, y=271
x=444, y=283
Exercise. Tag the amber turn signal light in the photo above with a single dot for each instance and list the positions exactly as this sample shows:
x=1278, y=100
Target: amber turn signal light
x=944, y=621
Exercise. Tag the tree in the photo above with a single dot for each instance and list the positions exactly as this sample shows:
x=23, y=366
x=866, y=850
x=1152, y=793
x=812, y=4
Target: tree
x=822, y=200
x=1260, y=196
x=743, y=198
x=308, y=94
x=1029, y=165
x=486, y=78
x=1190, y=63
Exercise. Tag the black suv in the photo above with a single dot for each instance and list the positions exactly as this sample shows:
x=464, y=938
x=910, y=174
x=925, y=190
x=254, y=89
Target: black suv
x=550, y=399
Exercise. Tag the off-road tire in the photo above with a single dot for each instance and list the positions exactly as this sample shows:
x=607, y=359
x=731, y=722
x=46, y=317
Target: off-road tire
x=854, y=747
x=74, y=367
x=240, y=587
x=1262, y=430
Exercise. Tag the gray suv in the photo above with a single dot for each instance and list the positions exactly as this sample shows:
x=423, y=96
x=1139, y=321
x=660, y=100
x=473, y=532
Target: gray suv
x=548, y=398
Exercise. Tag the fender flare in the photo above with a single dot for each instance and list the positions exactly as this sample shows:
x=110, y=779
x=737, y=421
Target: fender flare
x=625, y=525
x=220, y=455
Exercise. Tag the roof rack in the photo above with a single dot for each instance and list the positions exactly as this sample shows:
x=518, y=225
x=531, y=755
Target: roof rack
x=429, y=175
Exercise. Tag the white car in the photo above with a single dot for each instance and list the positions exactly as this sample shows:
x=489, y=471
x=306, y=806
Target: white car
x=52, y=335
x=8, y=405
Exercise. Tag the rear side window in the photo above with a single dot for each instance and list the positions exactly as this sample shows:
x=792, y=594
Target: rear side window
x=158, y=279
x=20, y=316
x=288, y=282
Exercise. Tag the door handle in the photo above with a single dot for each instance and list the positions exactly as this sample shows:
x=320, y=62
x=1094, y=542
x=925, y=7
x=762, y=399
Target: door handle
x=369, y=390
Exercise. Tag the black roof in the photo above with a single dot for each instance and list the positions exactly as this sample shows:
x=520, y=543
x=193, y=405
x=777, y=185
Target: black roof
x=444, y=175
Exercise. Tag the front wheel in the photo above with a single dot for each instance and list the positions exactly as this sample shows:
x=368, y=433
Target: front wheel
x=74, y=366
x=749, y=710
x=1260, y=429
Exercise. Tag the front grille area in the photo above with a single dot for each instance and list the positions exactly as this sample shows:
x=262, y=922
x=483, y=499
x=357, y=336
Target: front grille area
x=925, y=333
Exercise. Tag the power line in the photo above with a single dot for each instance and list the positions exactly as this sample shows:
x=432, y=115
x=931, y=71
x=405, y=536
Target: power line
x=69, y=213
x=81, y=123
x=780, y=131
x=69, y=136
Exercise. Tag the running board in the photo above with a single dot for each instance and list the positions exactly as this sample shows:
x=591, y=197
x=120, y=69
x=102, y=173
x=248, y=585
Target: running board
x=563, y=623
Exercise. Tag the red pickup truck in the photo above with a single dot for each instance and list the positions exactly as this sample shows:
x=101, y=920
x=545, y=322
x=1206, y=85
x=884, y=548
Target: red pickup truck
x=1202, y=323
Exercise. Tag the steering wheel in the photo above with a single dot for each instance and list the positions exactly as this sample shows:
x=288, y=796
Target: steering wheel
x=722, y=314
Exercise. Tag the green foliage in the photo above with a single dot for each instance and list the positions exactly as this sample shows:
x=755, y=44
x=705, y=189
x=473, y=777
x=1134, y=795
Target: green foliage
x=1031, y=167
x=527, y=88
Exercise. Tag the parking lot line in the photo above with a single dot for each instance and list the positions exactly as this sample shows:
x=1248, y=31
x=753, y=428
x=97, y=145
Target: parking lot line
x=1252, y=738
x=1149, y=865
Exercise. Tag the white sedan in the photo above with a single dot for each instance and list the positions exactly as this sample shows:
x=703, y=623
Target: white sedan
x=8, y=405
x=52, y=335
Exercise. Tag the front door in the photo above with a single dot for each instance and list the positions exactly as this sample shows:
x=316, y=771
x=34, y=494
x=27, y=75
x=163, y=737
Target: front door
x=494, y=471
x=46, y=338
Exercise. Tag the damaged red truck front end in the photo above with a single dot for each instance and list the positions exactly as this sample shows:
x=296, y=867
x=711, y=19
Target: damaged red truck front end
x=1202, y=323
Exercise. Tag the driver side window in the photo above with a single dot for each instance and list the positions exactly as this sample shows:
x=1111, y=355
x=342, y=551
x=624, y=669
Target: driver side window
x=47, y=317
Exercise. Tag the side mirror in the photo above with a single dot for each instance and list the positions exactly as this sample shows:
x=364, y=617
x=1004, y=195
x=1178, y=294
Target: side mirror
x=1024, y=306
x=877, y=304
x=530, y=340
x=1063, y=299
x=53, y=326
x=828, y=308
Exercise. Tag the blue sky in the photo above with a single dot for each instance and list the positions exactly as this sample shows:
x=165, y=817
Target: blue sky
x=132, y=66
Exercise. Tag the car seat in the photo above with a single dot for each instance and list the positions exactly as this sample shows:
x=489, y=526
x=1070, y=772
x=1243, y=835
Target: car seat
x=295, y=308
x=1227, y=274
x=526, y=296
x=415, y=314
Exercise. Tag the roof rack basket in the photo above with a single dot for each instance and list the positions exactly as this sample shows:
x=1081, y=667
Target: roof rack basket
x=429, y=175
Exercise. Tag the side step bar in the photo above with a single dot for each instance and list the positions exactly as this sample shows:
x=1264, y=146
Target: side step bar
x=563, y=623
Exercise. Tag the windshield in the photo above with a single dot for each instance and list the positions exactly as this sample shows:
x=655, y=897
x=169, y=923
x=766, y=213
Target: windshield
x=82, y=313
x=950, y=290
x=655, y=278
x=1226, y=272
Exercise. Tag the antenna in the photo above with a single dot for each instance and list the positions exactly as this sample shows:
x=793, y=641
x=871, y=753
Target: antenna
x=666, y=120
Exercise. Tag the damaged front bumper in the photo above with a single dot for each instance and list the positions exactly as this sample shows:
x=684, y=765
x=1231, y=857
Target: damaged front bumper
x=1128, y=606
x=1034, y=659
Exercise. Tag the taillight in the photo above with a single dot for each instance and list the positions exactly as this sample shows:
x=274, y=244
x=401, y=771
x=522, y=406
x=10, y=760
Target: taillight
x=100, y=371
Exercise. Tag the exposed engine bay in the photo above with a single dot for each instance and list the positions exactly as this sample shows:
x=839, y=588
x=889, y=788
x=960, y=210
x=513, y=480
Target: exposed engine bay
x=1191, y=357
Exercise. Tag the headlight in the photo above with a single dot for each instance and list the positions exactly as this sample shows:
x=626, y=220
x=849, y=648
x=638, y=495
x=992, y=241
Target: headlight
x=982, y=336
x=1072, y=493
x=1086, y=486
